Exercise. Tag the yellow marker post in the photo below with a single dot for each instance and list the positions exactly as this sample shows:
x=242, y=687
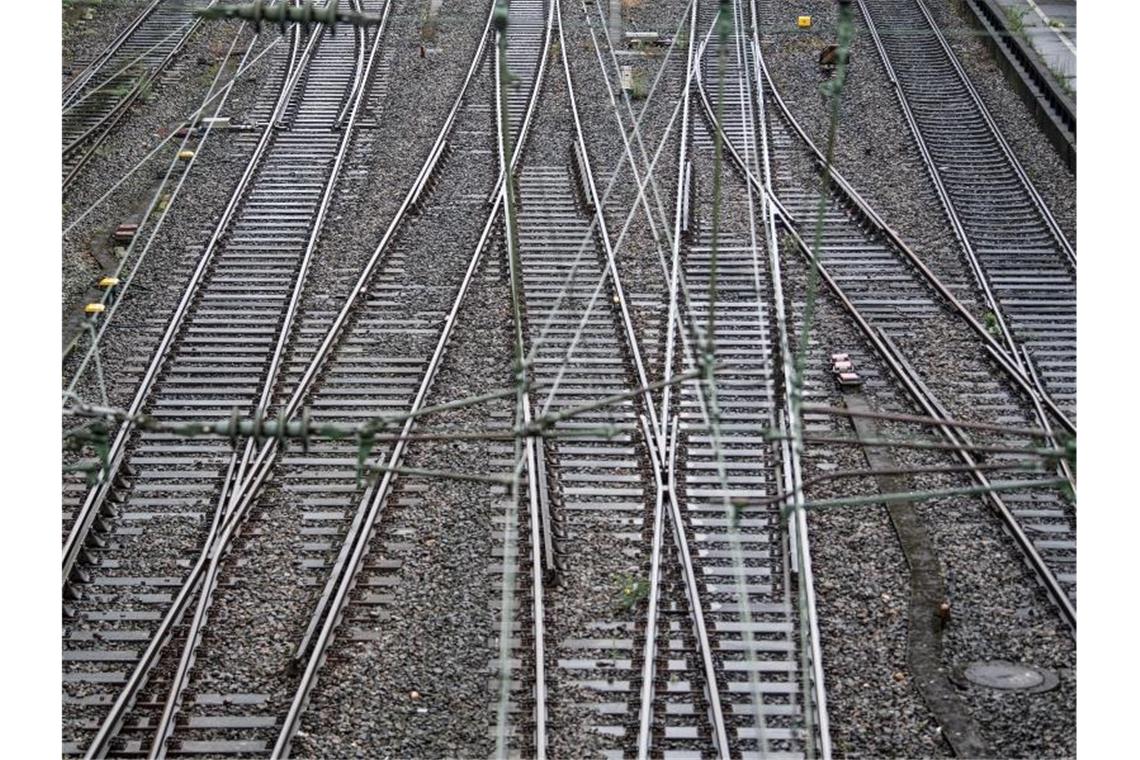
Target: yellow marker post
x=803, y=22
x=94, y=308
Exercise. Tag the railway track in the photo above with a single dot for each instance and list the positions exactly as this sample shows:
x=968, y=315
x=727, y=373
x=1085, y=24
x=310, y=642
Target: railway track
x=1019, y=255
x=883, y=286
x=757, y=578
x=130, y=550
x=574, y=311
x=335, y=346
x=692, y=645
x=130, y=306
x=96, y=98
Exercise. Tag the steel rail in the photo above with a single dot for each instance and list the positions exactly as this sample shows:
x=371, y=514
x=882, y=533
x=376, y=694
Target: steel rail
x=634, y=119
x=264, y=461
x=1033, y=390
x=507, y=167
x=231, y=510
x=601, y=230
x=219, y=94
x=165, y=726
x=124, y=68
x=115, y=455
x=245, y=56
x=648, y=180
x=792, y=411
x=332, y=335
x=934, y=408
x=999, y=137
x=649, y=652
x=1062, y=464
x=668, y=451
x=716, y=709
x=980, y=274
x=948, y=207
x=242, y=497
x=847, y=191
x=691, y=72
x=712, y=421
x=922, y=396
x=348, y=565
x=362, y=39
x=278, y=357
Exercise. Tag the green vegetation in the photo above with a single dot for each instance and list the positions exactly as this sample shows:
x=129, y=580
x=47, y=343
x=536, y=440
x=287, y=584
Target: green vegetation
x=639, y=90
x=991, y=322
x=632, y=591
x=1015, y=17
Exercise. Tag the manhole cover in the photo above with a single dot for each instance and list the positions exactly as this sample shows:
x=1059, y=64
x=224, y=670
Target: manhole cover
x=1007, y=675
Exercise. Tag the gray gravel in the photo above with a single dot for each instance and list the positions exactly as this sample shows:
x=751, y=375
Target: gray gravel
x=639, y=257
x=582, y=604
x=439, y=641
x=999, y=613
x=862, y=581
x=853, y=610
x=425, y=687
x=265, y=613
x=144, y=309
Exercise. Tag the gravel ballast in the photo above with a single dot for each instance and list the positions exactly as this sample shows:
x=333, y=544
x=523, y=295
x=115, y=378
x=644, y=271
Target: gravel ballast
x=88, y=25
x=985, y=576
x=261, y=610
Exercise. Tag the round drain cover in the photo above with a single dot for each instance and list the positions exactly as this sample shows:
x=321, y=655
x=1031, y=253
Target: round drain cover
x=1006, y=675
